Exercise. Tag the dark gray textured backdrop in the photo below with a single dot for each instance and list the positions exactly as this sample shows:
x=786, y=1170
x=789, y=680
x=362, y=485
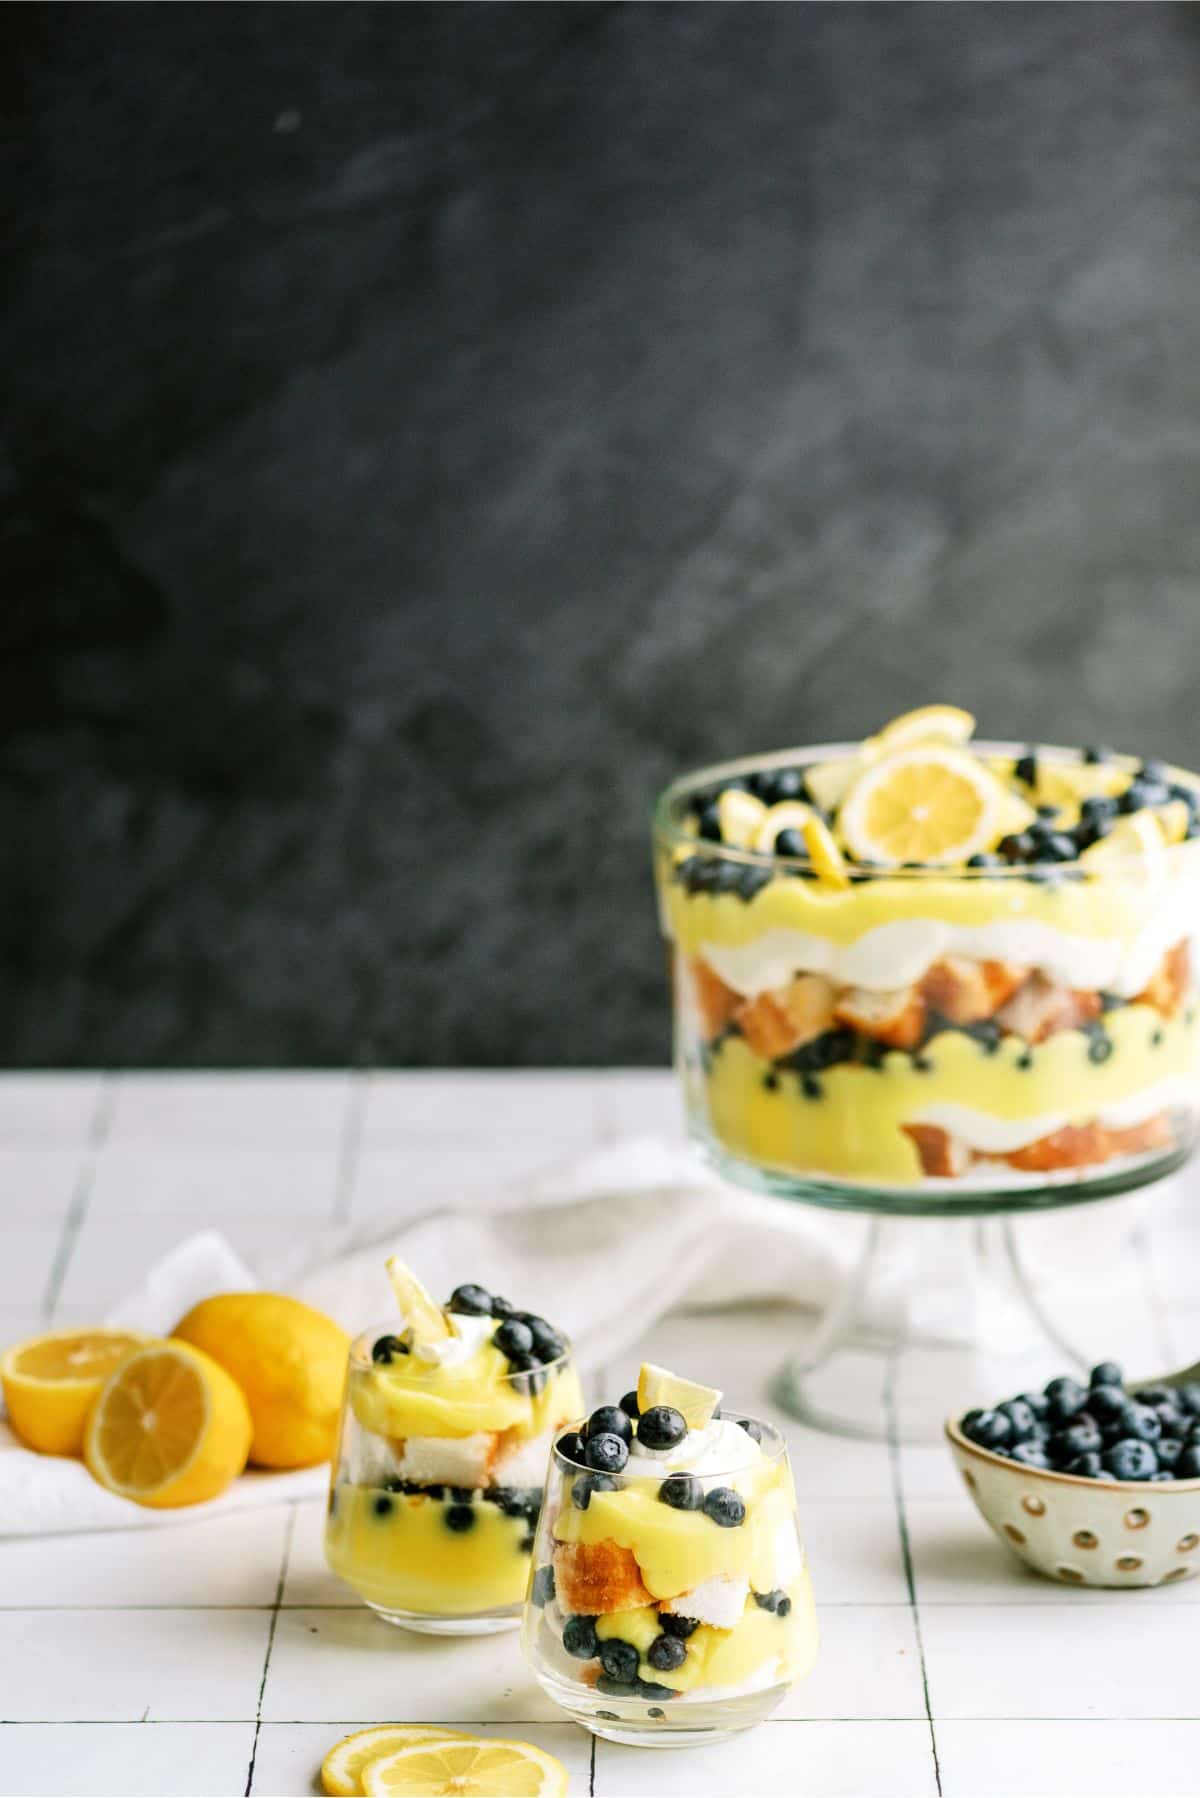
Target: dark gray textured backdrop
x=425, y=429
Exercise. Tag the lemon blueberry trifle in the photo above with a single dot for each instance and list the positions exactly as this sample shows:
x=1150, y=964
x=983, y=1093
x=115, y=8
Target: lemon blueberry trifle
x=670, y=1599
x=918, y=961
x=446, y=1430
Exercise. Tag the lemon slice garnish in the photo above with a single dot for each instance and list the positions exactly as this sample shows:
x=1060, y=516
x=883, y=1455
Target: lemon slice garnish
x=789, y=814
x=741, y=816
x=341, y=1770
x=427, y=1321
x=829, y=781
x=658, y=1386
x=824, y=853
x=470, y=1767
x=927, y=724
x=1134, y=846
x=1173, y=820
x=932, y=805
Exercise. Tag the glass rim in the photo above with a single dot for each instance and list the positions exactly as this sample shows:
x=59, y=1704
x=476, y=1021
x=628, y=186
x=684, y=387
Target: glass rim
x=669, y=832
x=360, y=1355
x=771, y=1456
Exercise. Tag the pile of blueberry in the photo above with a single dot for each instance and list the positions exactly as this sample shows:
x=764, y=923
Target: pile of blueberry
x=1101, y=1433
x=523, y=1503
x=620, y=1660
x=603, y=1444
x=528, y=1342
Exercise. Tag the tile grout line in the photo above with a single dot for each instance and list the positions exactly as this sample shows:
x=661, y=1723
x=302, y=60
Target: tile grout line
x=262, y=1686
x=349, y=1145
x=592, y=1771
x=893, y=1442
x=98, y=1133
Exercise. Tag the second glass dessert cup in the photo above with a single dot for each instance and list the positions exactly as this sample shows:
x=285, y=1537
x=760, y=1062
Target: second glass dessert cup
x=670, y=1610
x=437, y=1483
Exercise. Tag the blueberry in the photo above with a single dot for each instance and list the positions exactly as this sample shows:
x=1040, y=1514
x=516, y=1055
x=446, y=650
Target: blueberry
x=615, y=1688
x=1187, y=1467
x=990, y=1429
x=683, y=1627
x=579, y=1638
x=1064, y=1391
x=1029, y=1454
x=1097, y=814
x=527, y=1374
x=609, y=1420
x=654, y=1711
x=1057, y=846
x=607, y=1451
x=1170, y=1417
x=513, y=1337
x=471, y=1301
x=1020, y=1416
x=382, y=1505
x=1106, y=1401
x=463, y=1495
x=502, y=1307
x=570, y=1446
x=1080, y=1438
x=548, y=1343
x=1038, y=1403
x=666, y=1653
x=1131, y=1459
x=725, y=1506
x=1154, y=770
x=1140, y=1422
x=460, y=1518
x=762, y=783
x=789, y=783
x=1155, y=1395
x=1096, y=753
x=585, y=1484
x=629, y=1404
x=1100, y=1044
x=386, y=1348
x=619, y=1659
x=434, y=1492
x=1088, y=1465
x=1017, y=847
x=985, y=860
x=662, y=1426
x=790, y=842
x=752, y=880
x=709, y=825
x=752, y=1428
x=541, y=1590
x=1168, y=1451
x=527, y=1542
x=683, y=1492
x=1026, y=769
x=1188, y=1397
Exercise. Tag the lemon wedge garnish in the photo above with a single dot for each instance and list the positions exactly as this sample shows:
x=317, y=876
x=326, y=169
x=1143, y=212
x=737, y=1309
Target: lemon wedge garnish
x=741, y=816
x=1173, y=820
x=824, y=853
x=657, y=1386
x=51, y=1383
x=479, y=1767
x=789, y=814
x=170, y=1428
x=933, y=805
x=427, y=1321
x=927, y=724
x=341, y=1770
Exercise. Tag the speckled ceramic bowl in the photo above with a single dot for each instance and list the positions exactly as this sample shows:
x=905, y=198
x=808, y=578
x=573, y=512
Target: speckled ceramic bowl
x=1085, y=1532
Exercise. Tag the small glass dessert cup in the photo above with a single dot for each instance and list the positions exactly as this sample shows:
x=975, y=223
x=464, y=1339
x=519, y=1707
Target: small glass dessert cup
x=438, y=1476
x=670, y=1602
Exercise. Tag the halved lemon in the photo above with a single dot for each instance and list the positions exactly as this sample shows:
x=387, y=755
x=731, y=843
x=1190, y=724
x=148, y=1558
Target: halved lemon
x=480, y=1767
x=341, y=1770
x=427, y=1321
x=1134, y=847
x=740, y=815
x=789, y=814
x=170, y=1428
x=927, y=724
x=51, y=1383
x=932, y=805
x=658, y=1386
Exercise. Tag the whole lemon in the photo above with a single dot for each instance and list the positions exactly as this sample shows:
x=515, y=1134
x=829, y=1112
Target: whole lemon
x=289, y=1360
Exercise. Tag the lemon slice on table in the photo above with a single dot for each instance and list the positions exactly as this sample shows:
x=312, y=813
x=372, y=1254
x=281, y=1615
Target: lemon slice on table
x=932, y=804
x=341, y=1770
x=51, y=1383
x=427, y=1321
x=470, y=1767
x=658, y=1386
x=740, y=815
x=170, y=1428
x=1134, y=846
x=927, y=724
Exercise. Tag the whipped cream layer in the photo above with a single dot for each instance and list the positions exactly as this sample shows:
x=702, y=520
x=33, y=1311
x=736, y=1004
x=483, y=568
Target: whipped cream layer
x=721, y=1447
x=1000, y=1136
x=470, y=1335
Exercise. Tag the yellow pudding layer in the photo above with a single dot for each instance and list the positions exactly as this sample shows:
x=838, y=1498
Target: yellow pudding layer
x=410, y=1397
x=677, y=1550
x=854, y=1128
x=727, y=1657
x=408, y=1558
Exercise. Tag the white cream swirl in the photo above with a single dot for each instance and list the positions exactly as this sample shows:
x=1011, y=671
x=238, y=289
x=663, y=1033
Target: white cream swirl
x=721, y=1447
x=452, y=1351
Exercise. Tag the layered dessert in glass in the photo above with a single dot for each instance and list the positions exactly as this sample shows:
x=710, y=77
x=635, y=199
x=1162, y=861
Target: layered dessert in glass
x=447, y=1421
x=921, y=964
x=670, y=1600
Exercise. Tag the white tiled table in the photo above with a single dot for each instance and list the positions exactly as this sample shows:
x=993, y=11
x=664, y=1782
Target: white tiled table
x=223, y=1658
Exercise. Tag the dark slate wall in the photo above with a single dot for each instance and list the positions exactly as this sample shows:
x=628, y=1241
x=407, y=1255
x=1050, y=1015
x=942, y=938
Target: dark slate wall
x=425, y=429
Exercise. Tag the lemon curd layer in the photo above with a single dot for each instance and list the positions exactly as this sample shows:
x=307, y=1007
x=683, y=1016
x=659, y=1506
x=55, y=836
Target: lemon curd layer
x=854, y=1127
x=761, y=1640
x=410, y=1397
x=398, y=1552
x=677, y=1550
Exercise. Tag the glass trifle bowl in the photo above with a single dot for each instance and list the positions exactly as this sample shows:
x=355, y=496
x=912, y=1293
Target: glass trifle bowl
x=670, y=1602
x=447, y=1422
x=924, y=976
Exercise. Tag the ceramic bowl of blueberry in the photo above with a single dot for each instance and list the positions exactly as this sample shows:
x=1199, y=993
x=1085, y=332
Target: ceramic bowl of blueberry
x=1094, y=1484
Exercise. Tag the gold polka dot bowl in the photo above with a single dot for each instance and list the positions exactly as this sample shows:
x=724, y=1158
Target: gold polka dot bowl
x=1085, y=1532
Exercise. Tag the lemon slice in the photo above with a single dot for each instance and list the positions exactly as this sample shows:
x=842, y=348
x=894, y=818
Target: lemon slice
x=828, y=781
x=341, y=1770
x=789, y=814
x=170, y=1428
x=479, y=1767
x=51, y=1383
x=824, y=853
x=657, y=1386
x=927, y=724
x=932, y=804
x=1134, y=846
x=1173, y=820
x=740, y=815
x=427, y=1321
